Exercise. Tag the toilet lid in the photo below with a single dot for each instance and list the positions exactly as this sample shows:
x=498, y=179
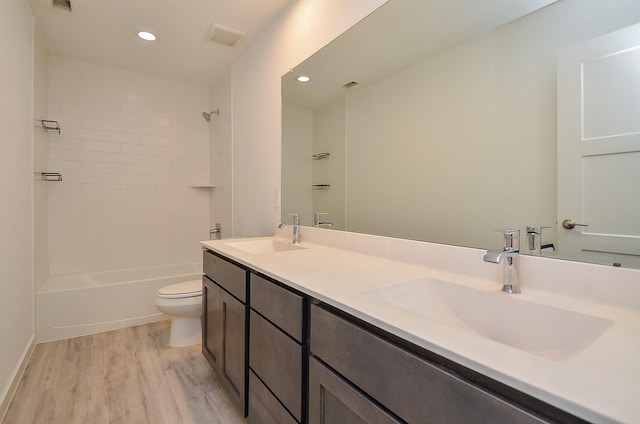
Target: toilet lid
x=185, y=289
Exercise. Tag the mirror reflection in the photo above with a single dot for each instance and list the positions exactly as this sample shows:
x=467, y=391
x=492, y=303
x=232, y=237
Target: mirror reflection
x=439, y=121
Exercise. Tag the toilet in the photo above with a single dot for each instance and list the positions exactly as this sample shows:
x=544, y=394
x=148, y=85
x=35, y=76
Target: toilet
x=183, y=303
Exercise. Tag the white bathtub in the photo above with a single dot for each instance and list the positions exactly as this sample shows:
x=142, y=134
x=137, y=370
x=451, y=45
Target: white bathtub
x=72, y=305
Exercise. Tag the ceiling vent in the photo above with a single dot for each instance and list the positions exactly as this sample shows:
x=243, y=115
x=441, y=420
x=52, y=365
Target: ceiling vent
x=350, y=84
x=225, y=35
x=62, y=4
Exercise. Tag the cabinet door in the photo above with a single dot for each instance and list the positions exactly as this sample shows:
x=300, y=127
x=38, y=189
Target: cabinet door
x=212, y=322
x=233, y=367
x=332, y=400
x=224, y=339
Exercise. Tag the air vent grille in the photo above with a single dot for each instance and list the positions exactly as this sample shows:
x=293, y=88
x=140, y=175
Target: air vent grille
x=225, y=35
x=62, y=4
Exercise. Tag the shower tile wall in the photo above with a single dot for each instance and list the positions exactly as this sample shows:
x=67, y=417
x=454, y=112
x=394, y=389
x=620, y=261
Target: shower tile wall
x=131, y=146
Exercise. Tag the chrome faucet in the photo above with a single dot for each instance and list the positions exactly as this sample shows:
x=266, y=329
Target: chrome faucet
x=535, y=245
x=510, y=253
x=317, y=220
x=296, y=227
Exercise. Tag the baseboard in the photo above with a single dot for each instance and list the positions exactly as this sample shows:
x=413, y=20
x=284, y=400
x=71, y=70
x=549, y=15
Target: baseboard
x=7, y=396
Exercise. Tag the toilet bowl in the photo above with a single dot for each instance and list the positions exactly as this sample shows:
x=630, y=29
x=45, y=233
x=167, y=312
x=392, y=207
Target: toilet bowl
x=183, y=303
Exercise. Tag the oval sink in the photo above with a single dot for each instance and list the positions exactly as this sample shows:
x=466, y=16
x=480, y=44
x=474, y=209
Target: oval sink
x=540, y=329
x=264, y=246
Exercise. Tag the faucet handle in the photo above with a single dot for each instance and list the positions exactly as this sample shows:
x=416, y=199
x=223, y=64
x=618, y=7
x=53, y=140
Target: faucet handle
x=317, y=215
x=511, y=237
x=507, y=230
x=296, y=218
x=537, y=229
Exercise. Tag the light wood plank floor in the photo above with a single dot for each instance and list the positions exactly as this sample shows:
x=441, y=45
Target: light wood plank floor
x=127, y=376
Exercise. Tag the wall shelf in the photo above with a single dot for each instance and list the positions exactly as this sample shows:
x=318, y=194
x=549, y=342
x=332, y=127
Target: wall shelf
x=320, y=156
x=51, y=176
x=50, y=127
x=202, y=186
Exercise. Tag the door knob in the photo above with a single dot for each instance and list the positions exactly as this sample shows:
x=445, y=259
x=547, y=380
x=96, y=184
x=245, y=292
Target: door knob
x=570, y=224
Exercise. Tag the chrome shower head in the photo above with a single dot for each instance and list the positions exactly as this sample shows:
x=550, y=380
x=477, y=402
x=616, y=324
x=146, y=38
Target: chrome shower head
x=207, y=116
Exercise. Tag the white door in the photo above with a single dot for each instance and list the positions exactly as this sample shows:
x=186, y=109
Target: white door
x=599, y=149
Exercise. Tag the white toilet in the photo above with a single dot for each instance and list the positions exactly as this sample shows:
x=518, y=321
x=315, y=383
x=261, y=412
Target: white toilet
x=183, y=303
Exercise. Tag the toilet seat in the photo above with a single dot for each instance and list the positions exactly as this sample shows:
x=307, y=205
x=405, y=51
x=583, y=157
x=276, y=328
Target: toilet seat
x=182, y=290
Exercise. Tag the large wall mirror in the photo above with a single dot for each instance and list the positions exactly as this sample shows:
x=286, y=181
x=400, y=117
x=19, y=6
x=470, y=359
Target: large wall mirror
x=437, y=120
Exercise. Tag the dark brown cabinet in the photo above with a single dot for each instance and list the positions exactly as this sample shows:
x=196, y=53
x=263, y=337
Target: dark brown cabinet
x=287, y=359
x=224, y=335
x=333, y=400
x=277, y=354
x=408, y=386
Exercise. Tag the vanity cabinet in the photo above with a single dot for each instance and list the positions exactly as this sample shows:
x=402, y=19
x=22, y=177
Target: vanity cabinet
x=359, y=377
x=225, y=317
x=288, y=358
x=277, y=353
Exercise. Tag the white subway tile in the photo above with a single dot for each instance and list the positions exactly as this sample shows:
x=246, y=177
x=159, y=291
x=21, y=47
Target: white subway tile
x=119, y=137
x=154, y=121
x=119, y=179
x=136, y=107
x=62, y=142
x=65, y=121
x=138, y=149
x=79, y=111
x=82, y=133
x=118, y=158
x=153, y=140
x=155, y=160
x=101, y=167
x=128, y=127
x=61, y=165
x=139, y=169
x=100, y=146
x=100, y=124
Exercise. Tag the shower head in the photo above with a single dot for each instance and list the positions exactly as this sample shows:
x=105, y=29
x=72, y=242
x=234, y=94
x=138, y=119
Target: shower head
x=207, y=116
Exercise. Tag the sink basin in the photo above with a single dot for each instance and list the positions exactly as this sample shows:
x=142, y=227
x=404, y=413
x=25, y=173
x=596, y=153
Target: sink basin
x=540, y=329
x=264, y=246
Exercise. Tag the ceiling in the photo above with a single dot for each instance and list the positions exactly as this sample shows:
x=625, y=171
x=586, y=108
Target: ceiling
x=104, y=32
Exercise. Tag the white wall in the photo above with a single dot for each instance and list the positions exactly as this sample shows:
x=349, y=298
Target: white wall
x=131, y=145
x=16, y=240
x=476, y=126
x=40, y=162
x=303, y=28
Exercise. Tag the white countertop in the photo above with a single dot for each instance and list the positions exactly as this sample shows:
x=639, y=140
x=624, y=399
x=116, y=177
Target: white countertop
x=601, y=383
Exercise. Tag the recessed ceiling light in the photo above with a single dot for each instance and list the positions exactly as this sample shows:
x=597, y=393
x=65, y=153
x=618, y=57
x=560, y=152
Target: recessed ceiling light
x=303, y=78
x=146, y=36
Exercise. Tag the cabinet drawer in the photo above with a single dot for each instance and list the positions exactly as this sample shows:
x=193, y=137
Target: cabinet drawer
x=278, y=305
x=227, y=275
x=264, y=408
x=277, y=359
x=333, y=400
x=409, y=386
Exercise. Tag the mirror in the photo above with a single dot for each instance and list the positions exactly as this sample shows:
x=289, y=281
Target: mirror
x=437, y=121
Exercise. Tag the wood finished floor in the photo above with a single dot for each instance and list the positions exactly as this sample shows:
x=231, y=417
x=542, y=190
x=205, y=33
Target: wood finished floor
x=129, y=375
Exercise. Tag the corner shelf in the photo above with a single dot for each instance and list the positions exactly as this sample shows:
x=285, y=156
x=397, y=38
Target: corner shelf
x=202, y=186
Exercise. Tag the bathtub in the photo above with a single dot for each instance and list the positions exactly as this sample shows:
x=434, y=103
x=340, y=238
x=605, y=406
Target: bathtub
x=71, y=305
